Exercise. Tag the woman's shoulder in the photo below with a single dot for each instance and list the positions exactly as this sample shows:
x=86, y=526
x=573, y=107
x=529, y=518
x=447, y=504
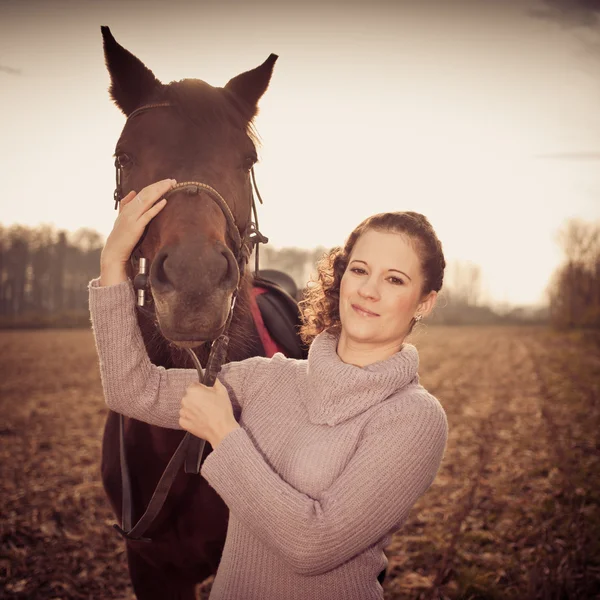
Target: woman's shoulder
x=277, y=361
x=264, y=366
x=413, y=404
x=281, y=366
x=250, y=377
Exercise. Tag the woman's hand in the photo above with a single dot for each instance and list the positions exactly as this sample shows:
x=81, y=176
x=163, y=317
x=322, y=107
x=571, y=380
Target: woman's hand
x=206, y=412
x=135, y=212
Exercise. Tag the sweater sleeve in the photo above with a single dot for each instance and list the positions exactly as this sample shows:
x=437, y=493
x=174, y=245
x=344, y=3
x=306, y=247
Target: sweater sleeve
x=132, y=385
x=391, y=468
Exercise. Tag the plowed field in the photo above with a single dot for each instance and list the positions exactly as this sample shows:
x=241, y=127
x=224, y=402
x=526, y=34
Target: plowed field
x=513, y=513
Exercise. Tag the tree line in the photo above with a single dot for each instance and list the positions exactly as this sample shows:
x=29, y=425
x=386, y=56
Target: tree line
x=574, y=292
x=44, y=274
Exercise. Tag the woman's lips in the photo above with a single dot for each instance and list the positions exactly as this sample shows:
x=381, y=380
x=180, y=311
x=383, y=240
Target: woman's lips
x=363, y=311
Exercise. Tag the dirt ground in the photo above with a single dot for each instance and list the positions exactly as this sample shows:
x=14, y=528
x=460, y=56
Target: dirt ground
x=513, y=513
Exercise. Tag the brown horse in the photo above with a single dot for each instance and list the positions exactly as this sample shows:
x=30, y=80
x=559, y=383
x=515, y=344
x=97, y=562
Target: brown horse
x=204, y=134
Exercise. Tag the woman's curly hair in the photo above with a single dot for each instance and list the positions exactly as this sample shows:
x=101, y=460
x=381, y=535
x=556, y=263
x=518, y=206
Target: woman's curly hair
x=320, y=304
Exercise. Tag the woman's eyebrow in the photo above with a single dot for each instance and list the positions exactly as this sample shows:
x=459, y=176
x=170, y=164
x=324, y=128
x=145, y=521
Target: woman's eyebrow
x=401, y=272
x=396, y=270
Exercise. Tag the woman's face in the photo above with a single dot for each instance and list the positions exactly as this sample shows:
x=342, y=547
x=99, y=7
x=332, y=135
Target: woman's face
x=380, y=291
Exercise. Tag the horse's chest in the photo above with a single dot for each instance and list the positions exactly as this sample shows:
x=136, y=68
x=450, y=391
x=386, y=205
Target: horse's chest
x=309, y=457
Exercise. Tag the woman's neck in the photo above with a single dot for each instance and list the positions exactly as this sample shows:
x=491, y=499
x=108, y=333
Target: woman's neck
x=361, y=354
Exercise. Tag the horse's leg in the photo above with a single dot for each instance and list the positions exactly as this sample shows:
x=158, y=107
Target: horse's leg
x=186, y=591
x=152, y=583
x=149, y=583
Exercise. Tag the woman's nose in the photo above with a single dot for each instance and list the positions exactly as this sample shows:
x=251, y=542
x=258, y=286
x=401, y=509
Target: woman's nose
x=369, y=290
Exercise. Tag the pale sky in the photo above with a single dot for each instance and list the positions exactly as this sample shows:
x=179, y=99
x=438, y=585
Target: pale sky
x=442, y=108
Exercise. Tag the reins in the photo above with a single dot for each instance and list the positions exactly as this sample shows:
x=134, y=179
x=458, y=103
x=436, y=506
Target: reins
x=190, y=449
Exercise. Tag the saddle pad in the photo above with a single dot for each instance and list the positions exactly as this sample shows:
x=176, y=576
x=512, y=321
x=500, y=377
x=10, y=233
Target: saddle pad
x=269, y=344
x=278, y=320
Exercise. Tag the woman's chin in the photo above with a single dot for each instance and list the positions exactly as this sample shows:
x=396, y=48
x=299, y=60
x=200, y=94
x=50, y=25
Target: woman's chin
x=361, y=333
x=370, y=334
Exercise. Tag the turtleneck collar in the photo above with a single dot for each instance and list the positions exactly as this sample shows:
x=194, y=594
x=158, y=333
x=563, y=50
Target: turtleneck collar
x=337, y=391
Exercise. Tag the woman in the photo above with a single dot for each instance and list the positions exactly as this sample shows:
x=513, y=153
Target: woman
x=318, y=460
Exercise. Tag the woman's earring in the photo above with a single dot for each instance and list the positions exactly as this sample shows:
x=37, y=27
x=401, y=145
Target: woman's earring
x=418, y=318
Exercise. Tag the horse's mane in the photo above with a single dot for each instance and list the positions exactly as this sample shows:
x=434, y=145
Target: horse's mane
x=209, y=107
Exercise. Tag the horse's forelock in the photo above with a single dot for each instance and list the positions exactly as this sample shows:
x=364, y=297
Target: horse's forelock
x=207, y=106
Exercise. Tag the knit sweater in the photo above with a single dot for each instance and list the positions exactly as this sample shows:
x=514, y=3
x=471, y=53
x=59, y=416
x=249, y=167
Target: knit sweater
x=326, y=465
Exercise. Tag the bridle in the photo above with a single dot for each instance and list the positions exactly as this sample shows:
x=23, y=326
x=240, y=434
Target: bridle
x=243, y=244
x=190, y=447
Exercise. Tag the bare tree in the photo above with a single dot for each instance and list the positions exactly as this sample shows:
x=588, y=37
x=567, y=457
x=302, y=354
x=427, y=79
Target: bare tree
x=580, y=242
x=574, y=290
x=463, y=283
x=42, y=242
x=299, y=263
x=15, y=265
x=46, y=271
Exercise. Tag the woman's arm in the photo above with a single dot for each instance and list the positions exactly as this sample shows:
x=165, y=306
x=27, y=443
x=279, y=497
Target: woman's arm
x=392, y=467
x=132, y=385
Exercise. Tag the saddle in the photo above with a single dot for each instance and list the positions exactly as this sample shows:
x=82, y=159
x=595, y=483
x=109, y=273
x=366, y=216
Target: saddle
x=275, y=295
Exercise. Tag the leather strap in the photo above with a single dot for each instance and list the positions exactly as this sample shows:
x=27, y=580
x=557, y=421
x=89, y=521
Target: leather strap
x=191, y=448
x=158, y=497
x=189, y=451
x=218, y=354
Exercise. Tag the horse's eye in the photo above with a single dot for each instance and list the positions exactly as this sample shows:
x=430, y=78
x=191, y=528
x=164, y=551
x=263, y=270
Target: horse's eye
x=123, y=159
x=249, y=162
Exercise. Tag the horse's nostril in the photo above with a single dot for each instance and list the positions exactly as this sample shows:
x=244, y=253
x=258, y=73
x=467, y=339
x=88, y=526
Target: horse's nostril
x=159, y=274
x=194, y=268
x=232, y=271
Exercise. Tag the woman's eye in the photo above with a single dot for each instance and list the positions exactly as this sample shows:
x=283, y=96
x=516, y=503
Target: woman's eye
x=396, y=280
x=123, y=160
x=358, y=270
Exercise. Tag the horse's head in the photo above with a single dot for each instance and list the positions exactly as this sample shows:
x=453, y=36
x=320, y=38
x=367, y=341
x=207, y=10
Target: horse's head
x=199, y=133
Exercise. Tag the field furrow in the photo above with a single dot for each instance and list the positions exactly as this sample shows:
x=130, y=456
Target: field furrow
x=513, y=513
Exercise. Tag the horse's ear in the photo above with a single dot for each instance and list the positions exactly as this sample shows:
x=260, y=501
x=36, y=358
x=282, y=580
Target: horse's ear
x=131, y=82
x=251, y=85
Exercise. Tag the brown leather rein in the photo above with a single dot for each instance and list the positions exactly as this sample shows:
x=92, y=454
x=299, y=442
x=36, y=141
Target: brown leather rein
x=190, y=448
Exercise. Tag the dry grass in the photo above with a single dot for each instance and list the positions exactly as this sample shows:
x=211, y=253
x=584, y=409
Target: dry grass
x=513, y=513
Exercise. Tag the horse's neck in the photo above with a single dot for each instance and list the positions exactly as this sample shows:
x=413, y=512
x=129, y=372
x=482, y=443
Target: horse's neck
x=244, y=340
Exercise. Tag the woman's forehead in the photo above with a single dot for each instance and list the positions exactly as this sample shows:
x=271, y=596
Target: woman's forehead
x=387, y=251
x=382, y=243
